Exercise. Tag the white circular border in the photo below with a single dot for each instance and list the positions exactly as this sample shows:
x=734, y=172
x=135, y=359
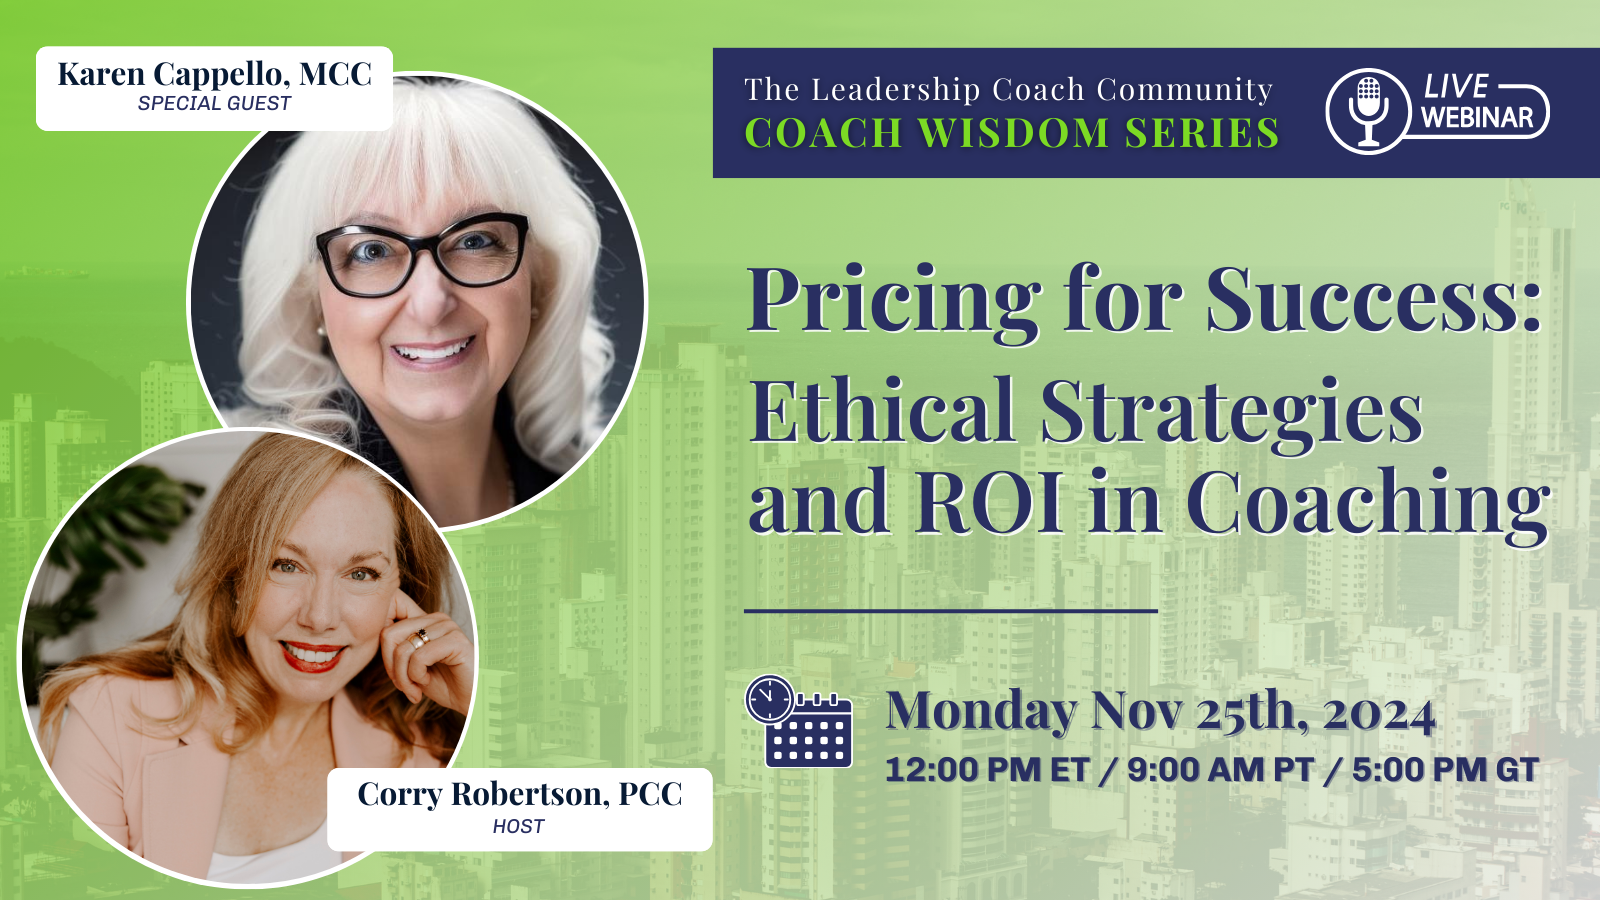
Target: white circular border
x=638, y=244
x=22, y=695
x=1327, y=112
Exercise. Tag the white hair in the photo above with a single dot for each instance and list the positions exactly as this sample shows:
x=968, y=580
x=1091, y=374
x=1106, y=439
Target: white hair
x=447, y=136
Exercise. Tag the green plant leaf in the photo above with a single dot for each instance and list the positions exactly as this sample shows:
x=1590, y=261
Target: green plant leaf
x=139, y=503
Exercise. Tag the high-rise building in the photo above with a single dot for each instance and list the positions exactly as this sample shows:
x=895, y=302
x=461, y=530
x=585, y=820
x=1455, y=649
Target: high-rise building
x=1510, y=818
x=687, y=574
x=1532, y=435
x=1322, y=851
x=1531, y=409
x=1184, y=811
x=973, y=856
x=492, y=741
x=1106, y=653
x=1353, y=579
x=820, y=570
x=1139, y=869
x=1007, y=651
x=48, y=459
x=1564, y=640
x=171, y=402
x=10, y=857
x=22, y=457
x=921, y=637
x=1235, y=555
x=21, y=542
x=517, y=567
x=1183, y=463
x=76, y=455
x=733, y=863
x=878, y=839
x=598, y=622
x=1185, y=574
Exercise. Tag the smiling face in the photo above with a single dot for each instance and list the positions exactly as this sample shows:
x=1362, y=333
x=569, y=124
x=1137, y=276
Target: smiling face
x=434, y=352
x=326, y=596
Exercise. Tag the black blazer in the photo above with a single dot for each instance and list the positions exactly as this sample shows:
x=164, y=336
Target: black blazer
x=528, y=478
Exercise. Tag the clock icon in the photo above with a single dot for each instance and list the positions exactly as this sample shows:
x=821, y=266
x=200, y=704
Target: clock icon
x=769, y=699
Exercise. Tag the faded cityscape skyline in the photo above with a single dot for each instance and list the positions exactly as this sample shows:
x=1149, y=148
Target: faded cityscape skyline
x=612, y=633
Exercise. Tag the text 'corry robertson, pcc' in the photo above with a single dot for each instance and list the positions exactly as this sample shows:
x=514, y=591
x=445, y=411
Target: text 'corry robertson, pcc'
x=648, y=793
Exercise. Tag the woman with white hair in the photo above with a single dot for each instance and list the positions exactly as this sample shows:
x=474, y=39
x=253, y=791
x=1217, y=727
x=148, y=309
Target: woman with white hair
x=425, y=295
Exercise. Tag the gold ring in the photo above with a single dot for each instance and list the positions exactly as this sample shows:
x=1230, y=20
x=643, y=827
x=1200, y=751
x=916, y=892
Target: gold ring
x=423, y=633
x=416, y=641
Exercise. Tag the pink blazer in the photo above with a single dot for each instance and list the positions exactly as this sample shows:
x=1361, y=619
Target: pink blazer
x=160, y=794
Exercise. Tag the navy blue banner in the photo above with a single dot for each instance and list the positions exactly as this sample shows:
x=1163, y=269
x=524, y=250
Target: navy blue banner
x=1153, y=113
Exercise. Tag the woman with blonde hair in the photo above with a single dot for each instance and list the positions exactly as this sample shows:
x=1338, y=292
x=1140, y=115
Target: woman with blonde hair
x=424, y=295
x=312, y=634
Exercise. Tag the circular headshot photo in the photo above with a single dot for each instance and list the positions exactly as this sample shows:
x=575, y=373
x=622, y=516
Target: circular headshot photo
x=459, y=299
x=219, y=624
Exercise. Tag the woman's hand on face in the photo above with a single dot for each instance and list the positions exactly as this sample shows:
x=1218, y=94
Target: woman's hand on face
x=441, y=669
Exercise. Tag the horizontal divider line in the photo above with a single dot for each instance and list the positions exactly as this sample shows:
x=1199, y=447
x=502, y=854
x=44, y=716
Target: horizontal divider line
x=949, y=611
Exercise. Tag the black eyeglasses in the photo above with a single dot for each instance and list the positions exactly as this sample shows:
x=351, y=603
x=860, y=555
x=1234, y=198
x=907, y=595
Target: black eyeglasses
x=369, y=262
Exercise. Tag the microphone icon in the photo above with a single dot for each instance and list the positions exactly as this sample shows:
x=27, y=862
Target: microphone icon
x=1366, y=101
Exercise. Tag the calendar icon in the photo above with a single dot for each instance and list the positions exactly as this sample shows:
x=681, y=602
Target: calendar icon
x=815, y=736
x=801, y=733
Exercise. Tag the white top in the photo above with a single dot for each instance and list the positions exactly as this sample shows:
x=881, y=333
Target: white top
x=300, y=859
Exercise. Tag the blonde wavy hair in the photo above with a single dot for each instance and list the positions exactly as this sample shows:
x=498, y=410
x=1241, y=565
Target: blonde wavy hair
x=203, y=651
x=448, y=136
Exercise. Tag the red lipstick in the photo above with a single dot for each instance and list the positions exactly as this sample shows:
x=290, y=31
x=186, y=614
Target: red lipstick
x=307, y=666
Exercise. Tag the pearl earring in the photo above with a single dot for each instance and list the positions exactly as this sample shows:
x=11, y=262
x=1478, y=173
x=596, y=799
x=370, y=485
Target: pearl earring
x=322, y=331
x=536, y=312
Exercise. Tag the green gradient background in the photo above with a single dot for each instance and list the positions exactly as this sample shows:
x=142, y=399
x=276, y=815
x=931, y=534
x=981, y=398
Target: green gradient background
x=633, y=82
